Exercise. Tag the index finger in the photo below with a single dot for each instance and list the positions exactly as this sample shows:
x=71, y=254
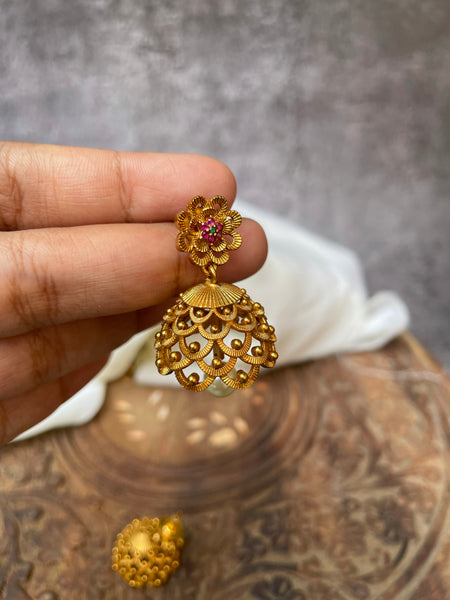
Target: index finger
x=58, y=186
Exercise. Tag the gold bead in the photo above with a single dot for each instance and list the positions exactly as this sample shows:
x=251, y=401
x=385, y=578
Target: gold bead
x=193, y=379
x=194, y=347
x=167, y=333
x=215, y=329
x=273, y=355
x=159, y=363
x=158, y=335
x=264, y=328
x=257, y=351
x=242, y=376
x=236, y=344
x=168, y=530
x=271, y=329
x=257, y=306
x=169, y=312
x=246, y=320
x=198, y=313
x=227, y=311
x=216, y=363
x=175, y=356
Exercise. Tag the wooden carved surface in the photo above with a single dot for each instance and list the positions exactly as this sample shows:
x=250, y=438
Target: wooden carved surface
x=325, y=481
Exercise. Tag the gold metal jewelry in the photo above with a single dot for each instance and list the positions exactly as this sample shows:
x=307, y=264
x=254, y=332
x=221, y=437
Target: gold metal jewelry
x=147, y=551
x=215, y=336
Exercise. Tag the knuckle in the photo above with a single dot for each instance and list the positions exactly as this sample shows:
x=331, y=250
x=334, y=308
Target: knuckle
x=29, y=295
x=12, y=368
x=28, y=361
x=19, y=309
x=11, y=191
x=46, y=355
x=123, y=189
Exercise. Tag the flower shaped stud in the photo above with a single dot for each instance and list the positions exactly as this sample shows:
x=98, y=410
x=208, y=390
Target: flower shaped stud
x=207, y=230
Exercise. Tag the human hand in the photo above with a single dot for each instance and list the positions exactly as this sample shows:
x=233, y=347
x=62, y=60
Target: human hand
x=88, y=258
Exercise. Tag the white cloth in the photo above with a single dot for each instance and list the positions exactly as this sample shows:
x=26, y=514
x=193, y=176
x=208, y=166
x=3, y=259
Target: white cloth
x=314, y=294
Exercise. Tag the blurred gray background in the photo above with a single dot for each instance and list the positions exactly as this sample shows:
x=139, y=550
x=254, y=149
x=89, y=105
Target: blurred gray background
x=336, y=113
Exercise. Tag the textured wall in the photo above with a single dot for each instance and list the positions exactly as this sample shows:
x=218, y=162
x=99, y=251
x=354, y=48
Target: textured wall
x=335, y=113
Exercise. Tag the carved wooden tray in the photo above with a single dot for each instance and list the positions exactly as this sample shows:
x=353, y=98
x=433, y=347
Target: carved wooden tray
x=325, y=481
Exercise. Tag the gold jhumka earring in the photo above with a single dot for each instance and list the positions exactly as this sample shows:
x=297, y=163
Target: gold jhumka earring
x=147, y=551
x=215, y=337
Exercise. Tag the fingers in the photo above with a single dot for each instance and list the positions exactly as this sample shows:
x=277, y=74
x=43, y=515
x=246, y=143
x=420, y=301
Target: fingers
x=42, y=355
x=57, y=186
x=21, y=412
x=60, y=275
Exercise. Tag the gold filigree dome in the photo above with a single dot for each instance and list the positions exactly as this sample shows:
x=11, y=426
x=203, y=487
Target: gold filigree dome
x=215, y=341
